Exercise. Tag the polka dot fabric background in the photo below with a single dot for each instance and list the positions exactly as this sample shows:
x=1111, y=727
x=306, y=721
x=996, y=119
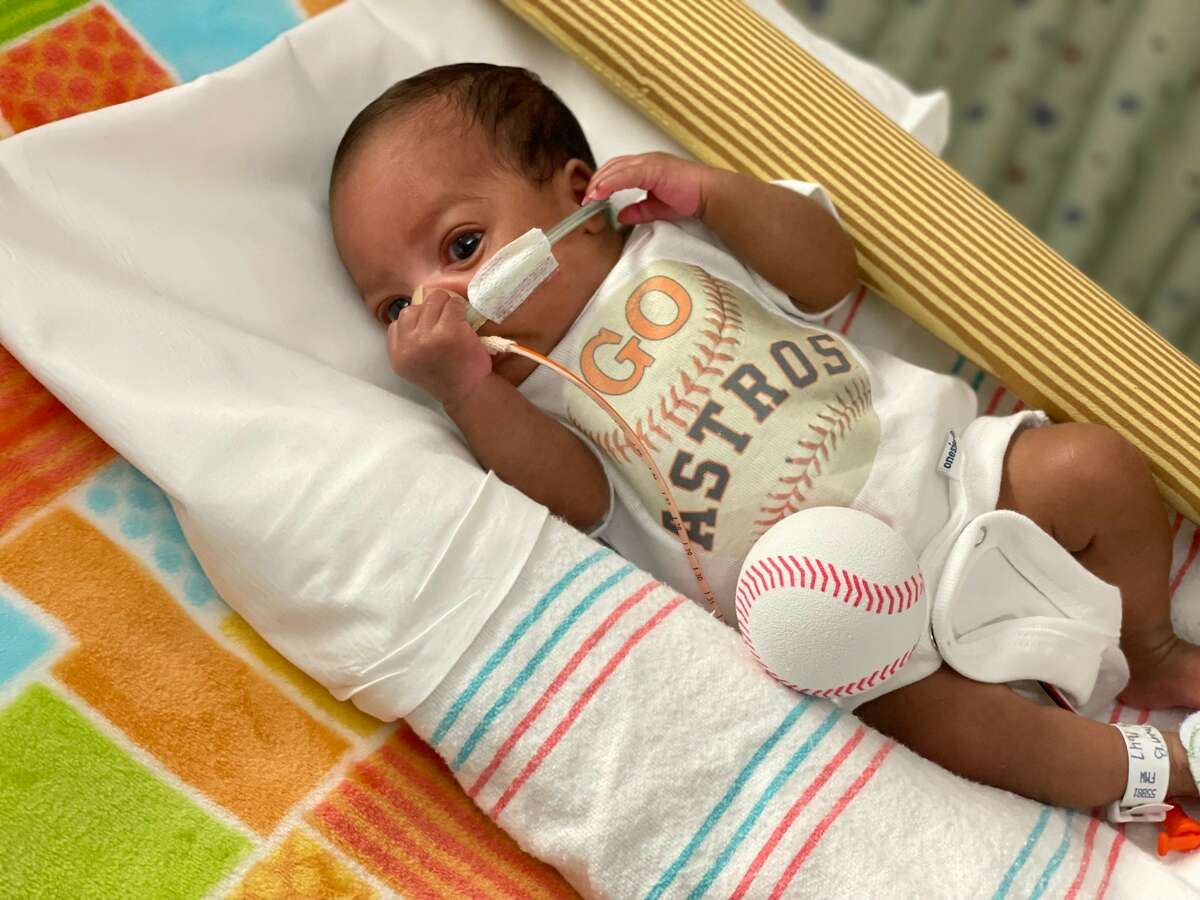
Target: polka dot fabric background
x=1080, y=117
x=87, y=61
x=151, y=744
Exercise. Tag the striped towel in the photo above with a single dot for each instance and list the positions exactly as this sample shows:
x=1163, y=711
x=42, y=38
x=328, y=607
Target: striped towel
x=622, y=734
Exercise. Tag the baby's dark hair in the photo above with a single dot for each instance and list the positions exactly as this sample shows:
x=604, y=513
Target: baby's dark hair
x=532, y=130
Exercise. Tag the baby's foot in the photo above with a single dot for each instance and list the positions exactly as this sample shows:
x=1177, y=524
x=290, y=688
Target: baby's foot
x=1167, y=676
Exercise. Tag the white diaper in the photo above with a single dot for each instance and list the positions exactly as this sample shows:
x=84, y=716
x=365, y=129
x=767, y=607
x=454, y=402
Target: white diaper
x=1009, y=602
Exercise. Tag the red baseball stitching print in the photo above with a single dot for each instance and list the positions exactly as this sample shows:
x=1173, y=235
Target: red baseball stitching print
x=819, y=575
x=723, y=319
x=832, y=424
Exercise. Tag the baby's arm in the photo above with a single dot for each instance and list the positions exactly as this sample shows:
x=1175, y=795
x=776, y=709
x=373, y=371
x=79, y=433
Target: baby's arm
x=789, y=239
x=432, y=346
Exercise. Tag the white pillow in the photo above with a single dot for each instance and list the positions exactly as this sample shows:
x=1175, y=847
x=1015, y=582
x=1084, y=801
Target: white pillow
x=166, y=269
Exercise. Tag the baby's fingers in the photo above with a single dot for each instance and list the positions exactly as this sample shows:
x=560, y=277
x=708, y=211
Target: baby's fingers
x=617, y=174
x=649, y=210
x=397, y=337
x=451, y=309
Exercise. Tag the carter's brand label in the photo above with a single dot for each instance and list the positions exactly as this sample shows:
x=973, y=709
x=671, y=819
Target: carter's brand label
x=948, y=463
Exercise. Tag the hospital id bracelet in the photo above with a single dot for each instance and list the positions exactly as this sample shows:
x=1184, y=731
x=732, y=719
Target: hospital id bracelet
x=1145, y=797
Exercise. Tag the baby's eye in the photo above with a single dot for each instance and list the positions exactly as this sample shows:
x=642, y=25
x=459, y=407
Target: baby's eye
x=464, y=246
x=393, y=308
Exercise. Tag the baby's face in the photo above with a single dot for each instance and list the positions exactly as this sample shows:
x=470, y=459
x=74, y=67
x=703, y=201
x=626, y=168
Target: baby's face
x=426, y=202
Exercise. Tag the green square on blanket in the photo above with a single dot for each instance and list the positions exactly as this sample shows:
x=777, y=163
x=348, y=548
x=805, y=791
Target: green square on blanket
x=80, y=818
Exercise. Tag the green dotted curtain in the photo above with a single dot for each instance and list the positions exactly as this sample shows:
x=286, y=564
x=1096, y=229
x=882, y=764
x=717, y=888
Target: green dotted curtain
x=1080, y=117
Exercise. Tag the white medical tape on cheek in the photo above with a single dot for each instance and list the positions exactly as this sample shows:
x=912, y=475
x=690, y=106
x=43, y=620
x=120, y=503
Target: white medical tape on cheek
x=514, y=272
x=1145, y=798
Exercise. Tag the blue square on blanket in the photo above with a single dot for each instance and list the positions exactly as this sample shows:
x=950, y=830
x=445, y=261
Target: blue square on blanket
x=199, y=36
x=22, y=641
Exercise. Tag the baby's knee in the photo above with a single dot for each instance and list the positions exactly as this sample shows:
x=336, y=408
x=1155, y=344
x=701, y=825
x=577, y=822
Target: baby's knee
x=1096, y=462
x=1073, y=473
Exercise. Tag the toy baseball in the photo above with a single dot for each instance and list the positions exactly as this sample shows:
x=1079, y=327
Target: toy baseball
x=831, y=601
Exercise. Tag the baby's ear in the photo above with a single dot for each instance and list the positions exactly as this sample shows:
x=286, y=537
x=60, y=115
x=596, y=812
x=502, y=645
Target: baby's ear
x=575, y=177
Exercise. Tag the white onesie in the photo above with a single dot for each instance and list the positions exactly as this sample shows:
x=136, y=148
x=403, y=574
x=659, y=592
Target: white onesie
x=753, y=411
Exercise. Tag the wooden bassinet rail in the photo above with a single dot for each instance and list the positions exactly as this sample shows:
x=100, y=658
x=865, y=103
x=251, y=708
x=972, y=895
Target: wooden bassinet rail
x=737, y=93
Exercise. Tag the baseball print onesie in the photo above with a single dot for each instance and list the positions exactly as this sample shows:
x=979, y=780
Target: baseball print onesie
x=751, y=409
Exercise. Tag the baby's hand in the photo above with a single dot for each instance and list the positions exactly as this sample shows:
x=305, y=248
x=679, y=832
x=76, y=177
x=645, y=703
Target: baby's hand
x=675, y=188
x=432, y=346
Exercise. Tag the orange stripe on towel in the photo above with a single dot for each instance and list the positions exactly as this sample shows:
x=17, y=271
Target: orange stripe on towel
x=1089, y=842
x=1111, y=863
x=839, y=807
x=794, y=811
x=585, y=697
x=149, y=669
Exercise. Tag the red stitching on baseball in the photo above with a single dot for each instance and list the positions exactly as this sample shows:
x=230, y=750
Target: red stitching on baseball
x=765, y=576
x=722, y=313
x=838, y=417
x=778, y=570
x=880, y=675
x=791, y=572
x=757, y=580
x=769, y=572
x=824, y=576
x=759, y=577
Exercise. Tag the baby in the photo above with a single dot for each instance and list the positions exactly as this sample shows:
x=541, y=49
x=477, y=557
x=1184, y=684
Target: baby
x=701, y=325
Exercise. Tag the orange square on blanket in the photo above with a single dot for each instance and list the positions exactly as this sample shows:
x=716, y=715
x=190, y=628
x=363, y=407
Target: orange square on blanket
x=44, y=449
x=86, y=61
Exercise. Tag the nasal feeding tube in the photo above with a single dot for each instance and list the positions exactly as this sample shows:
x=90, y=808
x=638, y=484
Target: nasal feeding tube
x=502, y=284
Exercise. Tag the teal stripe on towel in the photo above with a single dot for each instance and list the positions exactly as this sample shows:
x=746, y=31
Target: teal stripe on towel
x=777, y=782
x=1023, y=856
x=530, y=667
x=504, y=649
x=1056, y=859
x=724, y=803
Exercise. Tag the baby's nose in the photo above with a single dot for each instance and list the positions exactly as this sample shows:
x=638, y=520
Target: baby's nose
x=451, y=283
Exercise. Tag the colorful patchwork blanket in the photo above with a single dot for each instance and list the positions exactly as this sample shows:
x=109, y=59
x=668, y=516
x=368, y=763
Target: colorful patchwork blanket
x=151, y=744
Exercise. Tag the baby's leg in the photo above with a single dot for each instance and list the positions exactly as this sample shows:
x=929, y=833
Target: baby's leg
x=990, y=734
x=1092, y=491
